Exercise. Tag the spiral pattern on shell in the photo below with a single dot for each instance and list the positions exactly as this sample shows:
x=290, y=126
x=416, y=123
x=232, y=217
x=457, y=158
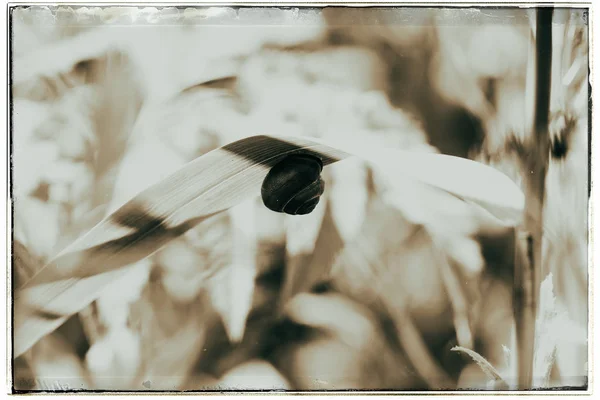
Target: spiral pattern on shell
x=294, y=186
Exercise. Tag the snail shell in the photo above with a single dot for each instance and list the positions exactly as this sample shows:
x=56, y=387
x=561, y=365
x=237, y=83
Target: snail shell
x=294, y=185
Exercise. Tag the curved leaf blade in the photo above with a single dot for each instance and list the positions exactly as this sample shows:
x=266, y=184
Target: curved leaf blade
x=208, y=185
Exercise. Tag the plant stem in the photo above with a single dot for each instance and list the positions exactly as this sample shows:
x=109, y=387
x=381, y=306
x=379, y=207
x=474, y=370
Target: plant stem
x=528, y=267
x=524, y=309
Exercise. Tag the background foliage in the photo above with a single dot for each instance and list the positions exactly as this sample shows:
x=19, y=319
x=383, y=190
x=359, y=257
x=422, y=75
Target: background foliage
x=356, y=295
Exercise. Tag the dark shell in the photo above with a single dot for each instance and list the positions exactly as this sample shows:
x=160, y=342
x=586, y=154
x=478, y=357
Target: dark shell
x=294, y=185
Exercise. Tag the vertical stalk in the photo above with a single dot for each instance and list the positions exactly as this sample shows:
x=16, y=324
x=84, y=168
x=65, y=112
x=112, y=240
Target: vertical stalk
x=529, y=265
x=524, y=307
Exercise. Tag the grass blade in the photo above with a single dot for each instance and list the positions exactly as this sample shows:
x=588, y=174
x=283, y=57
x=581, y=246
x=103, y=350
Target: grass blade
x=485, y=366
x=206, y=186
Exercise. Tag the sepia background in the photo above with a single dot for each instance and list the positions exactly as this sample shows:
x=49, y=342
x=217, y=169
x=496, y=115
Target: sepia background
x=361, y=293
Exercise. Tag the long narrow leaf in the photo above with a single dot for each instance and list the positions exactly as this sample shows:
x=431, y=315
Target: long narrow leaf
x=208, y=185
x=485, y=366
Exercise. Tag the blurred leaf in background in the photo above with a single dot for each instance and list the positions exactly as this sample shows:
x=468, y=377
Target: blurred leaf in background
x=343, y=347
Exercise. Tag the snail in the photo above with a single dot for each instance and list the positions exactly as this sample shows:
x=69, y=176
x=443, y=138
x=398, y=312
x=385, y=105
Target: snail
x=294, y=185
